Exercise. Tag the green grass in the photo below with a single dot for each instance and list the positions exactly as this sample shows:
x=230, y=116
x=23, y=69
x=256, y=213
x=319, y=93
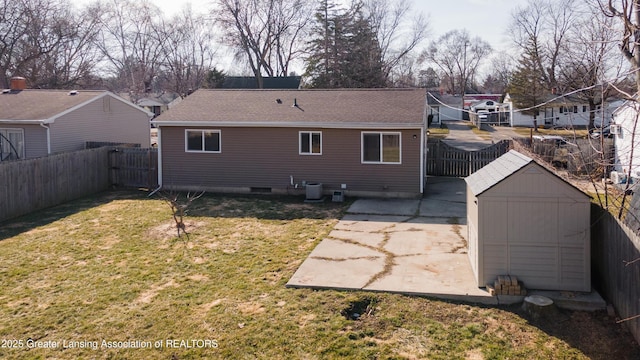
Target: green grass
x=111, y=268
x=569, y=134
x=436, y=132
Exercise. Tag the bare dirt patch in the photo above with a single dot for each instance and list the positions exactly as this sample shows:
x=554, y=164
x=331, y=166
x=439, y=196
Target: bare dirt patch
x=168, y=231
x=147, y=296
x=251, y=308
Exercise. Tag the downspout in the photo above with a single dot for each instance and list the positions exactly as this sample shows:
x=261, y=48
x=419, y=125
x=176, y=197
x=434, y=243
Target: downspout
x=423, y=159
x=423, y=146
x=159, y=142
x=48, y=137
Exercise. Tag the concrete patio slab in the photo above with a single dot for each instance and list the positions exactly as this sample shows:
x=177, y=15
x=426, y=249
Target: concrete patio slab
x=411, y=247
x=408, y=207
x=443, y=208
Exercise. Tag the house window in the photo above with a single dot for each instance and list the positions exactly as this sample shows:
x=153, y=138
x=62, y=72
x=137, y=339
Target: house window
x=563, y=109
x=11, y=144
x=575, y=109
x=202, y=141
x=381, y=147
x=584, y=108
x=310, y=143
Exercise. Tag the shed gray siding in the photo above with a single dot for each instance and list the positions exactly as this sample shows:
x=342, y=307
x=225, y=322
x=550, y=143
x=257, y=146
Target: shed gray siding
x=105, y=119
x=533, y=225
x=266, y=157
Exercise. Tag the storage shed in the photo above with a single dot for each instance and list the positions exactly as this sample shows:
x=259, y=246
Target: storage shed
x=524, y=220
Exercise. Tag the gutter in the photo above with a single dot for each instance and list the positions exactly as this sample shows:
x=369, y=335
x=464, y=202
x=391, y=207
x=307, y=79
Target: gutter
x=271, y=124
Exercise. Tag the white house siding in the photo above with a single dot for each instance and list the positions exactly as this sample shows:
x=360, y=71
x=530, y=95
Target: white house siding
x=553, y=117
x=627, y=146
x=268, y=157
x=105, y=119
x=535, y=226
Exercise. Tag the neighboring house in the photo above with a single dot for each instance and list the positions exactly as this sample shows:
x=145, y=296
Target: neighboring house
x=157, y=103
x=561, y=111
x=626, y=132
x=366, y=142
x=36, y=123
x=443, y=107
x=524, y=220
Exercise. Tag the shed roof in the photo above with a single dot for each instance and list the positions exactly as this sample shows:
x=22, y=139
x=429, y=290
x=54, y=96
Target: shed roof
x=500, y=169
x=37, y=105
x=496, y=171
x=383, y=108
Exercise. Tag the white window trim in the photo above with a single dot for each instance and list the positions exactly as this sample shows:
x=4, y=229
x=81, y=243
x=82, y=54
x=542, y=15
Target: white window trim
x=311, y=153
x=381, y=133
x=17, y=130
x=202, y=131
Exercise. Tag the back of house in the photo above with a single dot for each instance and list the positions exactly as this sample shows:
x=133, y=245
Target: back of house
x=361, y=142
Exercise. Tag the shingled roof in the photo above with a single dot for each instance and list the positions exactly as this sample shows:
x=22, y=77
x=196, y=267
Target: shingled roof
x=496, y=171
x=44, y=105
x=500, y=169
x=333, y=108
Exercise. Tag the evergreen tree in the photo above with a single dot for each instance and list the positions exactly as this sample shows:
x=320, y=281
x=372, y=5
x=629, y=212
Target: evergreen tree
x=527, y=86
x=345, y=52
x=214, y=79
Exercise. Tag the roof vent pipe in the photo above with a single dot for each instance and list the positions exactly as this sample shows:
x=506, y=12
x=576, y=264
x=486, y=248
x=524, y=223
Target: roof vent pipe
x=295, y=102
x=18, y=83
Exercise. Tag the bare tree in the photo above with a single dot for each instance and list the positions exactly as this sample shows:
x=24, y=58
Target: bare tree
x=591, y=64
x=187, y=51
x=397, y=35
x=501, y=69
x=458, y=56
x=627, y=14
x=131, y=44
x=46, y=42
x=540, y=28
x=179, y=208
x=269, y=34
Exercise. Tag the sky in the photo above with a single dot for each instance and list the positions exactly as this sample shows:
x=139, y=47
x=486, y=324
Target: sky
x=488, y=19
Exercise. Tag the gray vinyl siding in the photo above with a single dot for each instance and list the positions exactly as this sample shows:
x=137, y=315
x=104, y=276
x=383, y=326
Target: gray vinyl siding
x=267, y=157
x=35, y=139
x=114, y=121
x=535, y=226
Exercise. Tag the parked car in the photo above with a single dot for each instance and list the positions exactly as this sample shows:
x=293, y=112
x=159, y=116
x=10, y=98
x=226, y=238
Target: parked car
x=597, y=132
x=552, y=139
x=483, y=115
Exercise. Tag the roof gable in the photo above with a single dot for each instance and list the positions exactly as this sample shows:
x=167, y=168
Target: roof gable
x=365, y=107
x=46, y=105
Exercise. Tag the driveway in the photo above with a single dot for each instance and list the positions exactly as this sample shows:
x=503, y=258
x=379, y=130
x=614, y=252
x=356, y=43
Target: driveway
x=461, y=136
x=405, y=246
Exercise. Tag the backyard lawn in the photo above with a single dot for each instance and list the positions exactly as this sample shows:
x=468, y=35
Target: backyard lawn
x=107, y=278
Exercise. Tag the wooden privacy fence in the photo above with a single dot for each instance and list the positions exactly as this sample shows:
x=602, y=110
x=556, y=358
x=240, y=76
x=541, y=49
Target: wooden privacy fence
x=446, y=160
x=133, y=167
x=614, y=247
x=34, y=184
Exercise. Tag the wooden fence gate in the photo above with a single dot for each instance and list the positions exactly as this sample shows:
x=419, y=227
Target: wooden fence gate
x=133, y=167
x=446, y=160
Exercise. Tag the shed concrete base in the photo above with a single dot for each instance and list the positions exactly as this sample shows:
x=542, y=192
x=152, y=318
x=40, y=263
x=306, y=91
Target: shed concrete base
x=409, y=247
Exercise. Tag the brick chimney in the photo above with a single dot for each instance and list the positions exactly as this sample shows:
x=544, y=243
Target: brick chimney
x=18, y=83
